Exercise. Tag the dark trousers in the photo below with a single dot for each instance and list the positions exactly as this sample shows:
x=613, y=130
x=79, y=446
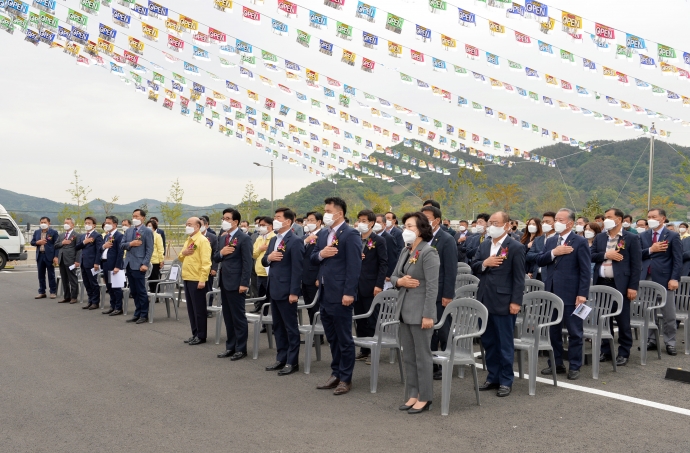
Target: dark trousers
x=337, y=324
x=364, y=327
x=309, y=293
x=253, y=285
x=155, y=275
x=115, y=293
x=286, y=331
x=262, y=290
x=439, y=339
x=70, y=282
x=45, y=264
x=196, y=308
x=500, y=348
x=209, y=288
x=574, y=326
x=91, y=285
x=235, y=319
x=137, y=285
x=625, y=339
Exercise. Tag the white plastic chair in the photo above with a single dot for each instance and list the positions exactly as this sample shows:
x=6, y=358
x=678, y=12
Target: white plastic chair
x=165, y=289
x=259, y=320
x=464, y=280
x=126, y=291
x=683, y=309
x=650, y=296
x=597, y=325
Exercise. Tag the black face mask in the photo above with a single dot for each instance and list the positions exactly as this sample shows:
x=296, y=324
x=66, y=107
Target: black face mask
x=514, y=228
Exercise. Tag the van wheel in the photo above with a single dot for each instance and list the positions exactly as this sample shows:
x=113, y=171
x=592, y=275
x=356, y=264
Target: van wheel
x=3, y=260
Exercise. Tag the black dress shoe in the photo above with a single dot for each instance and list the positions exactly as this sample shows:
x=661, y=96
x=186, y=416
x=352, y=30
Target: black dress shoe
x=195, y=341
x=134, y=319
x=289, y=369
x=438, y=375
x=650, y=346
x=189, y=339
x=86, y=307
x=226, y=353
x=94, y=307
x=116, y=313
x=426, y=407
x=621, y=361
x=107, y=312
x=560, y=369
x=141, y=321
x=488, y=386
x=671, y=350
x=263, y=330
x=209, y=314
x=238, y=356
x=573, y=375
x=605, y=358
x=276, y=366
x=503, y=391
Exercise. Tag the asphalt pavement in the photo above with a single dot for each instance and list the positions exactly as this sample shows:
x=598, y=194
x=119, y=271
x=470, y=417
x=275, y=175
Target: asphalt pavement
x=77, y=381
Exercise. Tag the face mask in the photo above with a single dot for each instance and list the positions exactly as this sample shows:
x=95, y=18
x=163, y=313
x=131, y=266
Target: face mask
x=514, y=228
x=189, y=230
x=244, y=229
x=641, y=230
x=496, y=231
x=609, y=224
x=277, y=225
x=389, y=223
x=108, y=227
x=88, y=227
x=309, y=227
x=328, y=219
x=377, y=227
x=653, y=224
x=202, y=229
x=626, y=224
x=409, y=236
x=136, y=222
x=66, y=226
x=559, y=227
x=263, y=230
x=480, y=229
x=461, y=228
x=532, y=229
x=473, y=230
x=589, y=234
x=226, y=226
x=44, y=226
x=579, y=228
x=682, y=230
x=362, y=227
x=124, y=228
x=546, y=228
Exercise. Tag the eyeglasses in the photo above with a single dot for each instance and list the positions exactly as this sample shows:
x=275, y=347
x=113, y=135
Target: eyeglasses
x=498, y=224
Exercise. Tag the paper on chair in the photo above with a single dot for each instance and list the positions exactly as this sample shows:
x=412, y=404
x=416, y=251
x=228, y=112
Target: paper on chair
x=117, y=280
x=387, y=285
x=173, y=273
x=582, y=311
x=72, y=267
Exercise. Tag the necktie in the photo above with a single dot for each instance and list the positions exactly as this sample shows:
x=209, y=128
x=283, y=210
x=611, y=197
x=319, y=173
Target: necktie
x=560, y=240
x=227, y=239
x=655, y=238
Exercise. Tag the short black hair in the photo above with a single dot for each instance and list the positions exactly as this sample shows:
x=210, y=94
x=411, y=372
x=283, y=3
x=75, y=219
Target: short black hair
x=337, y=201
x=91, y=219
x=434, y=210
x=584, y=219
x=129, y=222
x=299, y=219
x=683, y=223
x=267, y=220
x=205, y=217
x=433, y=203
x=153, y=222
x=484, y=216
x=661, y=211
x=46, y=218
x=644, y=220
x=244, y=221
x=112, y=219
x=154, y=218
x=347, y=220
x=141, y=212
x=425, y=231
x=550, y=214
x=234, y=213
x=392, y=215
x=617, y=212
x=599, y=217
x=288, y=214
x=257, y=218
x=317, y=215
x=371, y=217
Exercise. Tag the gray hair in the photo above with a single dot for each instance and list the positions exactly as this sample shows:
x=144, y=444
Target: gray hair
x=571, y=213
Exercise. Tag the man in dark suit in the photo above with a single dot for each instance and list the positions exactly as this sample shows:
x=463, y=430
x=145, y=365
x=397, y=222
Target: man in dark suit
x=112, y=260
x=391, y=245
x=90, y=244
x=44, y=241
x=213, y=240
x=461, y=237
x=567, y=258
x=371, y=277
x=67, y=256
x=473, y=242
x=447, y=250
x=547, y=221
x=393, y=230
x=686, y=257
x=339, y=252
x=500, y=265
x=234, y=253
x=662, y=263
x=162, y=233
x=310, y=271
x=138, y=243
x=284, y=258
x=618, y=260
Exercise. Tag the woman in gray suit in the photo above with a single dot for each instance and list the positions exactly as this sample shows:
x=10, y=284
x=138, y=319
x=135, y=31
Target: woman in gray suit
x=416, y=274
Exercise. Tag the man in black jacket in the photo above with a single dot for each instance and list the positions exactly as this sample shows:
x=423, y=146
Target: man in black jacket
x=310, y=272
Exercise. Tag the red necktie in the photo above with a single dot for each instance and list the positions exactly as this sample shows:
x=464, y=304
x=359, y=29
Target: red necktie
x=655, y=237
x=227, y=239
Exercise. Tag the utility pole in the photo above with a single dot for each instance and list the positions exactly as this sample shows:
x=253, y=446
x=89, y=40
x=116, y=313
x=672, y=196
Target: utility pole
x=651, y=170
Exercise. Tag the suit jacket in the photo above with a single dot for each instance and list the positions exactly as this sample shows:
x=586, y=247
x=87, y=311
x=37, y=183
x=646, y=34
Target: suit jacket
x=666, y=265
x=462, y=246
x=285, y=276
x=500, y=286
x=91, y=252
x=115, y=257
x=397, y=235
x=420, y=302
x=374, y=265
x=568, y=275
x=626, y=273
x=448, y=257
x=49, y=246
x=472, y=245
x=392, y=250
x=67, y=254
x=533, y=253
x=686, y=257
x=310, y=271
x=213, y=240
x=138, y=256
x=235, y=268
x=340, y=273
x=297, y=230
x=162, y=233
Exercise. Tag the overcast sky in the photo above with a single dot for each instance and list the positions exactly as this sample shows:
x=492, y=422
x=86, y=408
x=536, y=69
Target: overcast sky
x=60, y=117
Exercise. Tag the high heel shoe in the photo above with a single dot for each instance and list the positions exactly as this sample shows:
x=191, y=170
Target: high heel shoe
x=405, y=407
x=426, y=407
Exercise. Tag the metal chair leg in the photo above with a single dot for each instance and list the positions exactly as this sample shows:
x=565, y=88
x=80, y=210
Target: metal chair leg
x=257, y=337
x=476, y=383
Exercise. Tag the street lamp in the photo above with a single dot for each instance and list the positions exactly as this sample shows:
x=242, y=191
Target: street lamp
x=271, y=167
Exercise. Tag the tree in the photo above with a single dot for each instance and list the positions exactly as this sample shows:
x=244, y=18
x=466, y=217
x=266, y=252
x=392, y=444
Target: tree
x=108, y=206
x=17, y=218
x=172, y=210
x=503, y=196
x=658, y=201
x=377, y=203
x=249, y=207
x=592, y=207
x=215, y=217
x=466, y=190
x=551, y=199
x=79, y=207
x=407, y=205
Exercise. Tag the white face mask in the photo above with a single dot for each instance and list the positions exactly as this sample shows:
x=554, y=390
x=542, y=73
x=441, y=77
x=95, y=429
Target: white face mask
x=559, y=227
x=377, y=227
x=189, y=230
x=44, y=226
x=203, y=228
x=88, y=227
x=124, y=228
x=546, y=228
x=310, y=227
x=389, y=223
x=626, y=224
x=136, y=222
x=67, y=227
x=480, y=229
x=532, y=228
x=682, y=230
x=462, y=228
x=263, y=230
x=473, y=230
x=609, y=224
x=579, y=228
x=496, y=231
x=277, y=225
x=653, y=223
x=362, y=227
x=244, y=229
x=641, y=230
x=589, y=234
x=409, y=236
x=108, y=227
x=328, y=219
x=226, y=226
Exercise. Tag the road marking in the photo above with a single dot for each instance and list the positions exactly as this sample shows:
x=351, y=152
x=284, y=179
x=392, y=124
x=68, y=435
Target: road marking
x=18, y=272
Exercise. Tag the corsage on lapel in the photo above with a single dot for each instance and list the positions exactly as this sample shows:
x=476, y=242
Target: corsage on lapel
x=234, y=242
x=192, y=246
x=370, y=244
x=281, y=246
x=621, y=245
x=504, y=253
x=414, y=259
x=334, y=243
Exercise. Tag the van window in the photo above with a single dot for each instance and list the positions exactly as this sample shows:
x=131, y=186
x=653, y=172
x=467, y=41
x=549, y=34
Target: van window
x=6, y=225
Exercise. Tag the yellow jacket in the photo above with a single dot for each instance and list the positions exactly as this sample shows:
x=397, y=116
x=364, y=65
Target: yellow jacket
x=196, y=266
x=158, y=252
x=258, y=254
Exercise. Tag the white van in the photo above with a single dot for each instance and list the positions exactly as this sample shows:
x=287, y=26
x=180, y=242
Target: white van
x=11, y=240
